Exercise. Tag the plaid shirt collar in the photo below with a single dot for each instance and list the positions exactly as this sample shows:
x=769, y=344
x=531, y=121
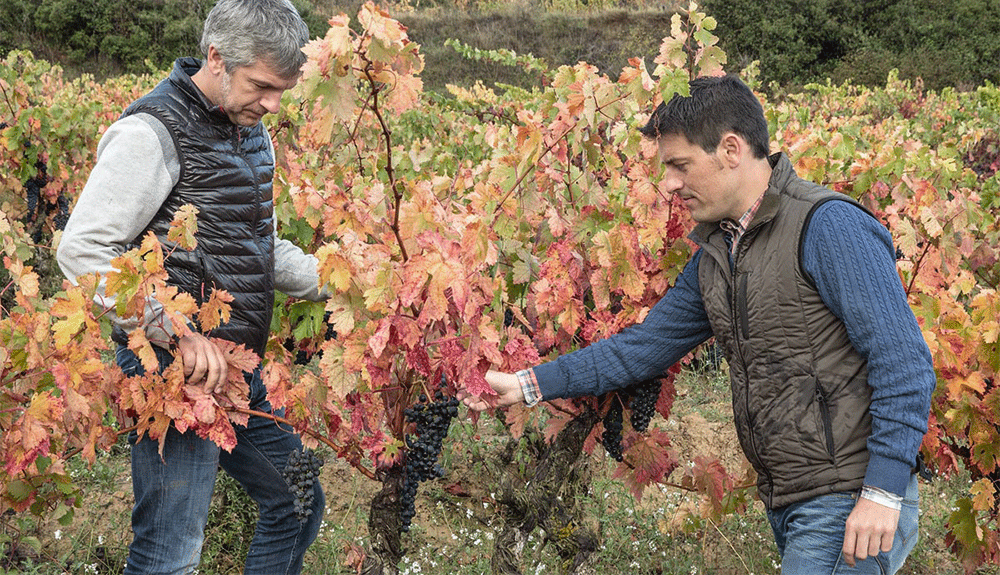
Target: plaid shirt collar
x=736, y=228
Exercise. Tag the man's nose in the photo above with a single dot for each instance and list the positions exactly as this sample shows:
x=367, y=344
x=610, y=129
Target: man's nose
x=271, y=102
x=671, y=183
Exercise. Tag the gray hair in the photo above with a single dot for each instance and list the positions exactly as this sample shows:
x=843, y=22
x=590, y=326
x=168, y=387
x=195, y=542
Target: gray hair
x=246, y=31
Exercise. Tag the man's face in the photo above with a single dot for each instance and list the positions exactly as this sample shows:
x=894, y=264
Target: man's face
x=249, y=92
x=701, y=180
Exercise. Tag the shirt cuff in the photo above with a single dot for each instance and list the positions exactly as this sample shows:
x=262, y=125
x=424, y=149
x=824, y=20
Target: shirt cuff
x=890, y=475
x=882, y=497
x=529, y=387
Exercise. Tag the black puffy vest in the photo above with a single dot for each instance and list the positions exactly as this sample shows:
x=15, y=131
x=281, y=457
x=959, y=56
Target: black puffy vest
x=226, y=172
x=800, y=390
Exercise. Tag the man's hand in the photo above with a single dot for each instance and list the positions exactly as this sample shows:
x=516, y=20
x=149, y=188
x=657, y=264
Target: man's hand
x=204, y=362
x=871, y=528
x=506, y=385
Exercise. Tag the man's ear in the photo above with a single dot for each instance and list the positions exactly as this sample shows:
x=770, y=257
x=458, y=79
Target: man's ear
x=214, y=62
x=732, y=148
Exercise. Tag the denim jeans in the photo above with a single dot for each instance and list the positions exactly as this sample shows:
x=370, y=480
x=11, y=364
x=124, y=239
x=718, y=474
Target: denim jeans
x=810, y=535
x=173, y=493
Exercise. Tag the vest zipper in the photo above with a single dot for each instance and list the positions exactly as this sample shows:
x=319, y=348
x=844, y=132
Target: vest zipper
x=257, y=346
x=256, y=185
x=744, y=314
x=824, y=412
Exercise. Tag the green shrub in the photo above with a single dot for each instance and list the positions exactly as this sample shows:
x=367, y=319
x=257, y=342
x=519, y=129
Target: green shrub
x=944, y=42
x=107, y=37
x=604, y=39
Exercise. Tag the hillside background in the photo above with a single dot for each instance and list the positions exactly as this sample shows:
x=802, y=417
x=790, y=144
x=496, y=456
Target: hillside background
x=945, y=43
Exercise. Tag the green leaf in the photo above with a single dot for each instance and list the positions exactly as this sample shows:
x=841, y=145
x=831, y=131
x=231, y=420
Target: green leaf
x=962, y=524
x=64, y=514
x=32, y=542
x=307, y=319
x=19, y=490
x=42, y=463
x=65, y=485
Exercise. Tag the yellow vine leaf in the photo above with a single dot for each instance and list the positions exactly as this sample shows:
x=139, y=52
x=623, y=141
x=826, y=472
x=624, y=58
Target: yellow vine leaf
x=405, y=93
x=334, y=268
x=959, y=386
x=982, y=493
x=152, y=254
x=333, y=54
x=377, y=22
x=327, y=82
x=216, y=310
x=143, y=349
x=179, y=307
x=44, y=407
x=75, y=308
x=636, y=78
x=671, y=56
x=340, y=380
x=27, y=281
x=341, y=311
x=183, y=227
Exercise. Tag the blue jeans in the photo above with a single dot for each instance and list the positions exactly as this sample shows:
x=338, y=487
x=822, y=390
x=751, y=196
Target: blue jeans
x=810, y=535
x=173, y=493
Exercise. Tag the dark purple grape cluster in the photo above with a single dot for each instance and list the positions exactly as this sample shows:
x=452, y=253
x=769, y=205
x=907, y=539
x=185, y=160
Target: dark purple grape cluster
x=304, y=356
x=644, y=395
x=32, y=193
x=423, y=447
x=611, y=439
x=301, y=473
x=62, y=216
x=39, y=207
x=508, y=317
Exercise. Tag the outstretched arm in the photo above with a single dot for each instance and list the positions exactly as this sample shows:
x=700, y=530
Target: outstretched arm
x=671, y=329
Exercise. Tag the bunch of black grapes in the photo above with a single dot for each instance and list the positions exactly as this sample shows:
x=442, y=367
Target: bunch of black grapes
x=432, y=420
x=303, y=356
x=611, y=439
x=38, y=208
x=300, y=473
x=642, y=398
